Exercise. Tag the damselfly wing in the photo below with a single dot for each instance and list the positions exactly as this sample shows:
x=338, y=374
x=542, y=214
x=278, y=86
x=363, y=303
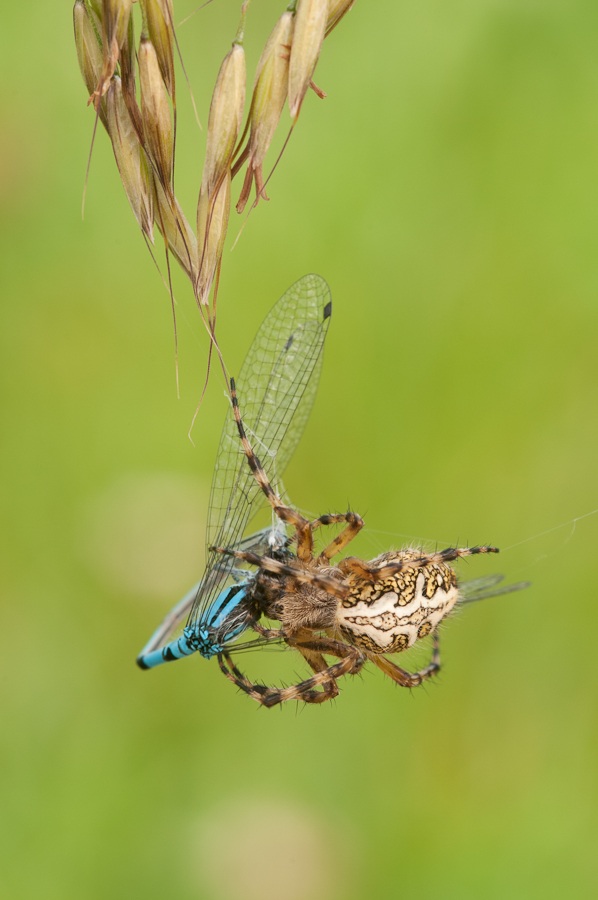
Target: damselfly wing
x=277, y=383
x=483, y=588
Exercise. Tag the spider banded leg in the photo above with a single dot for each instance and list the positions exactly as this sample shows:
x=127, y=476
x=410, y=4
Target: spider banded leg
x=325, y=676
x=270, y=696
x=354, y=526
x=332, y=648
x=313, y=650
x=271, y=634
x=305, y=539
x=409, y=679
x=303, y=576
x=371, y=573
x=317, y=664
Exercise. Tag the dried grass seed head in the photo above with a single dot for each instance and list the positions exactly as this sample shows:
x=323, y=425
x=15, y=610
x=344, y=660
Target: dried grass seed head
x=115, y=21
x=115, y=24
x=171, y=221
x=127, y=53
x=269, y=94
x=224, y=125
x=212, y=223
x=226, y=115
x=155, y=110
x=130, y=158
x=308, y=34
x=89, y=52
x=336, y=10
x=128, y=68
x=158, y=21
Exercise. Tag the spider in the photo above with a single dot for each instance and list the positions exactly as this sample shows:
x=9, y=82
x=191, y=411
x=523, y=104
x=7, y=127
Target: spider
x=352, y=610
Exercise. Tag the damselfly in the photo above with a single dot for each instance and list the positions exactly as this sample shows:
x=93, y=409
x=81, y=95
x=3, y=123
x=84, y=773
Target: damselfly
x=278, y=383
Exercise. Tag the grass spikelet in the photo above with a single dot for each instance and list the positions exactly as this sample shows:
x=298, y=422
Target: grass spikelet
x=159, y=24
x=155, y=110
x=224, y=125
x=130, y=158
x=89, y=52
x=115, y=24
x=269, y=94
x=308, y=35
x=336, y=10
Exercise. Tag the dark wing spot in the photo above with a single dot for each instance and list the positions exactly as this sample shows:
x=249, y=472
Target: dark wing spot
x=328, y=310
x=289, y=342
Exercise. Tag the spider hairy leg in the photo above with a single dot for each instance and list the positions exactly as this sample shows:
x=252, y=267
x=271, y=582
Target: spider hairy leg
x=305, y=690
x=270, y=634
x=333, y=648
x=411, y=679
x=354, y=525
x=303, y=576
x=373, y=573
x=301, y=525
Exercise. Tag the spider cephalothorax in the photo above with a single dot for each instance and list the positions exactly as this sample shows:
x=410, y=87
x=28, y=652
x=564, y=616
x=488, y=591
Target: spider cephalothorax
x=299, y=604
x=356, y=610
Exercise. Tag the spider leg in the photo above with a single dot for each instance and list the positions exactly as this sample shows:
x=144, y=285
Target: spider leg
x=332, y=648
x=354, y=526
x=313, y=650
x=372, y=573
x=409, y=679
x=305, y=690
x=305, y=541
x=318, y=664
x=270, y=634
x=303, y=576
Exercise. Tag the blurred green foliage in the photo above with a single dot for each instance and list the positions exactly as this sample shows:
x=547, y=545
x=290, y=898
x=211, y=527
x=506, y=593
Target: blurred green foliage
x=448, y=191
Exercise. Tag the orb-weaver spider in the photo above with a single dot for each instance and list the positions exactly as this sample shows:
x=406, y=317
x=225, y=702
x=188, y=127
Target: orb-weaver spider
x=354, y=610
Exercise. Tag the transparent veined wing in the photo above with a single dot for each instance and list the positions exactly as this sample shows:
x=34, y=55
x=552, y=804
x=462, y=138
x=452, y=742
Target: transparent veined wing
x=158, y=650
x=485, y=587
x=470, y=591
x=276, y=388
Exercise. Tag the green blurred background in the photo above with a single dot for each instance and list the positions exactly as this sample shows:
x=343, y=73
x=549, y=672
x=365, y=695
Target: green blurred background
x=447, y=189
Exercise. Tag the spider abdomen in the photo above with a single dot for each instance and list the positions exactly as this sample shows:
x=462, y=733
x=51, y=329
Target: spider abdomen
x=390, y=616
